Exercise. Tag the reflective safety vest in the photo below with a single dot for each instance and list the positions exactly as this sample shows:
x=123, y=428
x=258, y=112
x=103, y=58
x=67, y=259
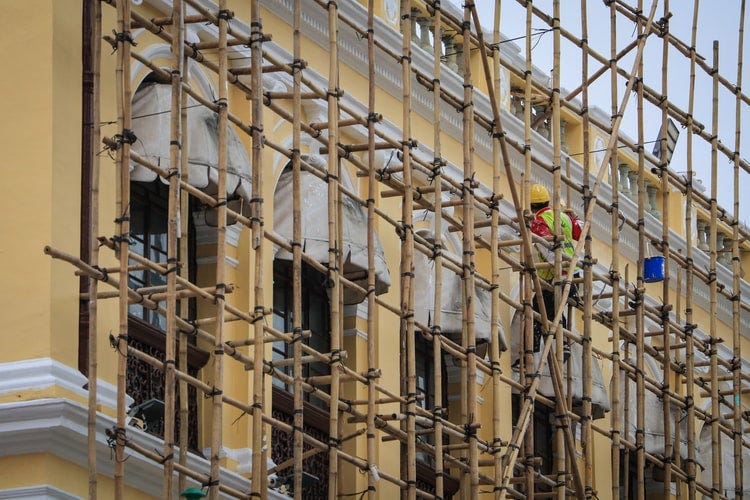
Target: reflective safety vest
x=567, y=245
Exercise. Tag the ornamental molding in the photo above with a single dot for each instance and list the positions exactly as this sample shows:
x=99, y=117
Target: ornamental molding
x=43, y=373
x=58, y=427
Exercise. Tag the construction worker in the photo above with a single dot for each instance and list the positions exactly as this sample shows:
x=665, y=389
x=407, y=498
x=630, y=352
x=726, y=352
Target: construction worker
x=543, y=225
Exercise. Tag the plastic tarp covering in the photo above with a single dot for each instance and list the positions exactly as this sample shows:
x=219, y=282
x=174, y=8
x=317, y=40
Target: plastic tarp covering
x=727, y=463
x=353, y=247
x=654, y=410
x=152, y=103
x=451, y=315
x=574, y=366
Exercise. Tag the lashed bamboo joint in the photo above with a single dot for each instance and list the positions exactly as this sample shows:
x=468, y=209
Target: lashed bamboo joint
x=337, y=216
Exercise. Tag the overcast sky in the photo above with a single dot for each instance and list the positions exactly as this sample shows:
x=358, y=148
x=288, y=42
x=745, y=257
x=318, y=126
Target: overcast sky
x=717, y=20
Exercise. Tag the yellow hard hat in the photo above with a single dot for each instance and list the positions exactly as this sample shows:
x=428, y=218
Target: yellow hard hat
x=539, y=194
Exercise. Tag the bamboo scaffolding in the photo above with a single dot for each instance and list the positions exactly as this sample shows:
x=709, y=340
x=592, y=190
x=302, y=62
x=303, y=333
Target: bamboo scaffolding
x=437, y=196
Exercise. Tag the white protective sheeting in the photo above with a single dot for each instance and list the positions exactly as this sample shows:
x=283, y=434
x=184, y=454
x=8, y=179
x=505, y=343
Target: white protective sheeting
x=151, y=126
x=727, y=463
x=451, y=315
x=599, y=399
x=353, y=246
x=654, y=410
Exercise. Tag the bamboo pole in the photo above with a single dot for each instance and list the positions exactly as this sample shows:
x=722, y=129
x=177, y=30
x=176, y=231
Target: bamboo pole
x=173, y=230
x=298, y=410
x=334, y=246
x=716, y=479
x=640, y=196
x=586, y=437
x=256, y=217
x=665, y=218
x=184, y=273
x=373, y=474
x=468, y=264
x=406, y=267
x=221, y=252
x=437, y=352
x=560, y=458
x=525, y=374
x=739, y=487
x=497, y=400
x=122, y=76
x=95, y=10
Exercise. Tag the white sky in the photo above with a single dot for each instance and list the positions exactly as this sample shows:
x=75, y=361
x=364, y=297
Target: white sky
x=717, y=20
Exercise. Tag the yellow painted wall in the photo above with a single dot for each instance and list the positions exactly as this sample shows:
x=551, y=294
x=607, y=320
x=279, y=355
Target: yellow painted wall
x=43, y=469
x=42, y=95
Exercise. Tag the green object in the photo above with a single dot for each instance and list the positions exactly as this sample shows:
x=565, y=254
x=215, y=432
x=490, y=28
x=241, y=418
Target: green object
x=193, y=493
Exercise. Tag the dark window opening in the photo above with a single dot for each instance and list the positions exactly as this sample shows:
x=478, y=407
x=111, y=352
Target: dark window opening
x=425, y=378
x=544, y=438
x=148, y=236
x=315, y=317
x=315, y=309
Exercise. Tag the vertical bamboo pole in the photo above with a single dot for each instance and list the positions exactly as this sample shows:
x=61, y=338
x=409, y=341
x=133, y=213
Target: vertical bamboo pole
x=560, y=469
x=666, y=336
x=184, y=271
x=256, y=219
x=221, y=252
x=407, y=267
x=437, y=352
x=614, y=269
x=372, y=476
x=586, y=437
x=173, y=218
x=94, y=42
x=713, y=292
x=527, y=367
x=298, y=412
x=497, y=400
x=122, y=75
x=470, y=422
x=736, y=272
x=334, y=256
x=640, y=410
x=690, y=468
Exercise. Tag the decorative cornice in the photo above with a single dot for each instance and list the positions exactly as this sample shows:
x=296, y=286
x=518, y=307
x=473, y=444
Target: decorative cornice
x=44, y=491
x=58, y=427
x=43, y=373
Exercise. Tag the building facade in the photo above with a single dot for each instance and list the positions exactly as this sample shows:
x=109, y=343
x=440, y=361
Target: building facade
x=181, y=316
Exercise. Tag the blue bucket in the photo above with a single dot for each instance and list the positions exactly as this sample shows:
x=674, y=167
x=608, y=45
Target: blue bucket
x=653, y=269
